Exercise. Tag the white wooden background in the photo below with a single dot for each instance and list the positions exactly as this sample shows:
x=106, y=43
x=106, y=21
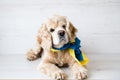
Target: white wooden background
x=98, y=22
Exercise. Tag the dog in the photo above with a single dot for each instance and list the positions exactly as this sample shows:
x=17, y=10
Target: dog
x=56, y=31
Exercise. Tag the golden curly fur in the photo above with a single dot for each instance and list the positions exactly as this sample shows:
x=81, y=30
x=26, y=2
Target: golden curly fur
x=51, y=60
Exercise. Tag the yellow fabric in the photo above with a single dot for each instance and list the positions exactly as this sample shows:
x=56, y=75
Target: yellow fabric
x=72, y=53
x=54, y=50
x=85, y=59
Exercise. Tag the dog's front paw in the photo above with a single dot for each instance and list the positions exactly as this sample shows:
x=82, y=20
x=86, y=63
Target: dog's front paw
x=31, y=55
x=59, y=75
x=81, y=74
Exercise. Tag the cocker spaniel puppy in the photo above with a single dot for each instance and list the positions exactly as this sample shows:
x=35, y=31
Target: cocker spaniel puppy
x=55, y=33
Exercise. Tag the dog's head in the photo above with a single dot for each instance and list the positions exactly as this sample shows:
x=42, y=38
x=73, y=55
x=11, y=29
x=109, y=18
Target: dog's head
x=56, y=31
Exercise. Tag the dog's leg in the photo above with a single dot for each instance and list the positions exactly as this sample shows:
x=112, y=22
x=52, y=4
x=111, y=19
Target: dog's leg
x=52, y=70
x=79, y=72
x=34, y=54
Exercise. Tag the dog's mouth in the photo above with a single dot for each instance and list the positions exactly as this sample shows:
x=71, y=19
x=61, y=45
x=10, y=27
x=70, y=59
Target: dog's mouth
x=62, y=41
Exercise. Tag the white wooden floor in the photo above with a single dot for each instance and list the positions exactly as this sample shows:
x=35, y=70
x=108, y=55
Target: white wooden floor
x=101, y=67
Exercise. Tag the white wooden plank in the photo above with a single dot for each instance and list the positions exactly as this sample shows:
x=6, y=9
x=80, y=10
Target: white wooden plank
x=101, y=66
x=56, y=2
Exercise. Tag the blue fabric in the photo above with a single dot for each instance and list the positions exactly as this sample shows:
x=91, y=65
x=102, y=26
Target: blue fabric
x=74, y=45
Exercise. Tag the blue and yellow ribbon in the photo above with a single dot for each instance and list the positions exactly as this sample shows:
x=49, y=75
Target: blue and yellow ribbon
x=75, y=52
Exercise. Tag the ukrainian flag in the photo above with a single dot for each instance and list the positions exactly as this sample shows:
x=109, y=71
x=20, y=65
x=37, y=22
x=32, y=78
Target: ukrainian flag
x=74, y=51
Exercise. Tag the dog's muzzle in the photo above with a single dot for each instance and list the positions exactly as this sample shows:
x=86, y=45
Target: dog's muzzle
x=61, y=34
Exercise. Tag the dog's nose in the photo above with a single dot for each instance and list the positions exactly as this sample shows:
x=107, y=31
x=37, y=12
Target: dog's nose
x=61, y=32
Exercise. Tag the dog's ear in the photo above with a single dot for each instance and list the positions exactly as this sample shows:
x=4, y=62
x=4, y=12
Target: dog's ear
x=71, y=29
x=44, y=37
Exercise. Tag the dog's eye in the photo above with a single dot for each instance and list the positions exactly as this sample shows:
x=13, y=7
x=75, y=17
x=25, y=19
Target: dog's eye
x=51, y=30
x=64, y=26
